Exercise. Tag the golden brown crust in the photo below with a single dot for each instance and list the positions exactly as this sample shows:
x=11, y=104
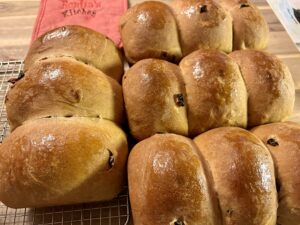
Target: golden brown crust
x=154, y=99
x=80, y=43
x=64, y=87
x=269, y=84
x=243, y=175
x=283, y=141
x=167, y=183
x=203, y=24
x=216, y=93
x=250, y=29
x=149, y=30
x=55, y=161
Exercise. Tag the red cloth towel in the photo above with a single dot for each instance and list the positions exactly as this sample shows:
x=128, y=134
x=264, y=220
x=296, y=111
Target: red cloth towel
x=100, y=15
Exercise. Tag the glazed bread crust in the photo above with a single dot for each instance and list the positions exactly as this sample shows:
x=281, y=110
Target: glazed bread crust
x=283, y=141
x=243, y=175
x=269, y=84
x=81, y=43
x=215, y=89
x=168, y=184
x=250, y=29
x=154, y=99
x=149, y=30
x=64, y=87
x=59, y=161
x=202, y=24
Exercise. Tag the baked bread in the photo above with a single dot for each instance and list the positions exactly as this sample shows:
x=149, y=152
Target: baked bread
x=168, y=183
x=64, y=87
x=80, y=43
x=154, y=98
x=269, y=84
x=283, y=141
x=243, y=176
x=250, y=29
x=215, y=90
x=59, y=161
x=203, y=24
x=149, y=30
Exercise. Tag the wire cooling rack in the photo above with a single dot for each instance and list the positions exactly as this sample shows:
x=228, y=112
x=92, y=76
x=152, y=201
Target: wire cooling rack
x=115, y=212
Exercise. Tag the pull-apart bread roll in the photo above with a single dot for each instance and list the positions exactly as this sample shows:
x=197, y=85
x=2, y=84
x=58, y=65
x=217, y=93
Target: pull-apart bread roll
x=64, y=87
x=243, y=176
x=168, y=184
x=250, y=29
x=80, y=43
x=149, y=30
x=269, y=84
x=283, y=141
x=58, y=161
x=203, y=24
x=215, y=90
x=206, y=92
x=154, y=97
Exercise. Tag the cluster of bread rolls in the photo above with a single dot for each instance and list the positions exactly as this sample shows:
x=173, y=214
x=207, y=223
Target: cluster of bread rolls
x=153, y=29
x=208, y=89
x=65, y=145
x=224, y=176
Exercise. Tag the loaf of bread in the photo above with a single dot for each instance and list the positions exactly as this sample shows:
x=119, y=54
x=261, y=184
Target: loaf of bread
x=80, y=43
x=202, y=24
x=149, y=30
x=154, y=96
x=168, y=183
x=243, y=175
x=226, y=176
x=283, y=141
x=215, y=90
x=206, y=91
x=250, y=29
x=153, y=29
x=269, y=84
x=58, y=161
x=63, y=87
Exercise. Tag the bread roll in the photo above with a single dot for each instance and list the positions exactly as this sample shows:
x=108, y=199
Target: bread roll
x=58, y=161
x=216, y=93
x=64, y=87
x=269, y=84
x=80, y=43
x=283, y=141
x=168, y=184
x=203, y=24
x=149, y=30
x=250, y=29
x=243, y=175
x=154, y=97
